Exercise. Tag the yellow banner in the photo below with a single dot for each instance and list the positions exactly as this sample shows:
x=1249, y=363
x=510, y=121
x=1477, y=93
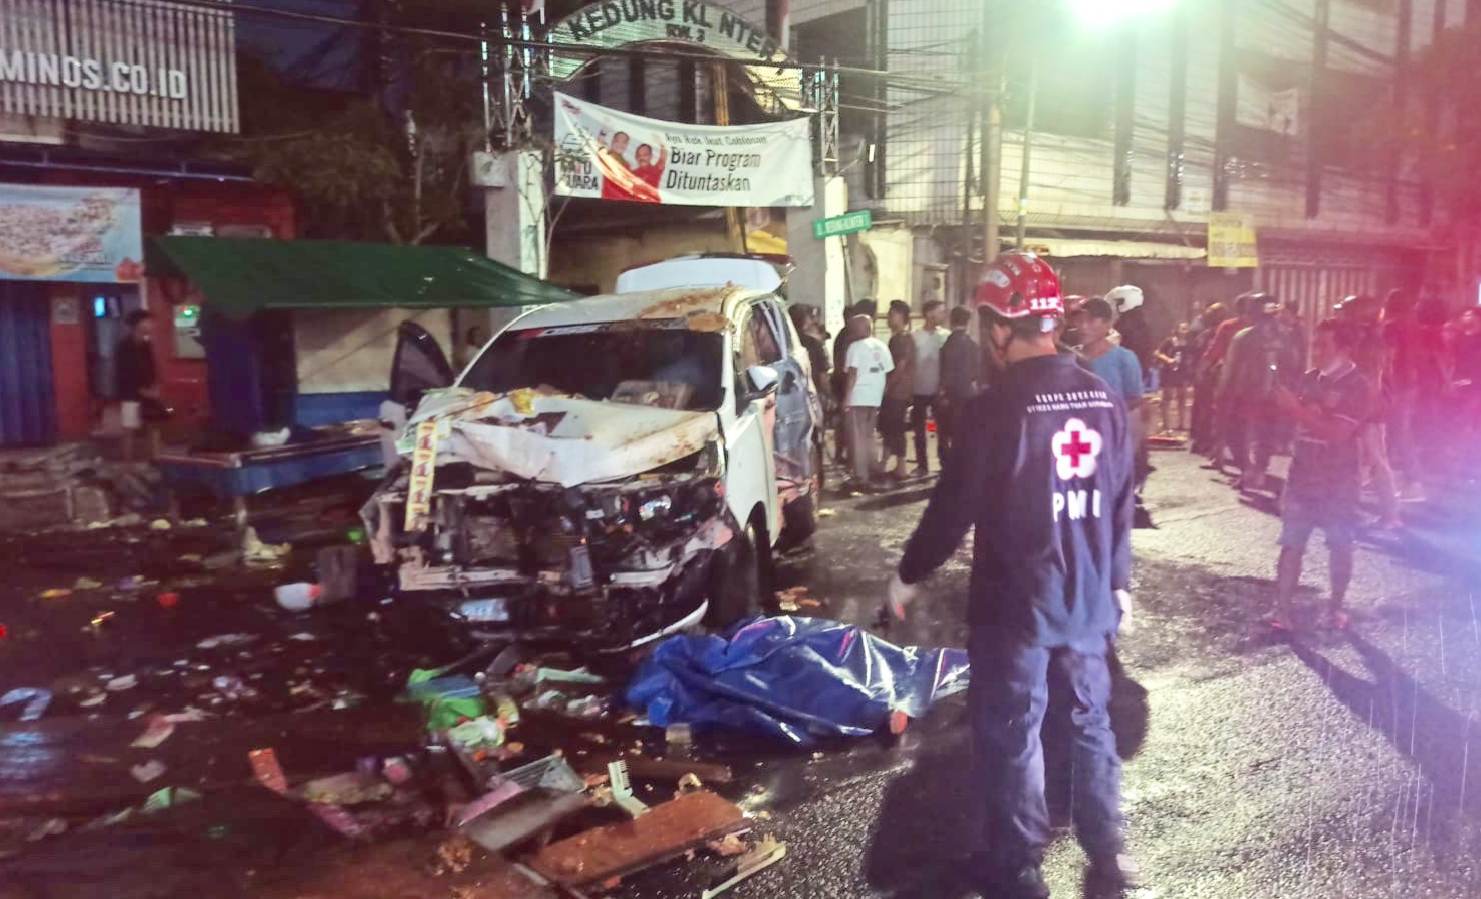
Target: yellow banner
x=419, y=484
x=1231, y=241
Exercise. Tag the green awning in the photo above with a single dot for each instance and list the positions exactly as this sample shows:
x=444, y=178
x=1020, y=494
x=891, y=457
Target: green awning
x=240, y=276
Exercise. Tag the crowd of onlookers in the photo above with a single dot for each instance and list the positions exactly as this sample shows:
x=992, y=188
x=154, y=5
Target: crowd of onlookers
x=883, y=396
x=1378, y=398
x=1420, y=361
x=881, y=392
x=1381, y=399
x=1217, y=377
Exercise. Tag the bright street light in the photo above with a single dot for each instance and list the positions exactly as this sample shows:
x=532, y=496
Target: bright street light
x=1100, y=13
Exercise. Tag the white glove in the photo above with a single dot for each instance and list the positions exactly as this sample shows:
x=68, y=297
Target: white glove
x=1126, y=604
x=900, y=596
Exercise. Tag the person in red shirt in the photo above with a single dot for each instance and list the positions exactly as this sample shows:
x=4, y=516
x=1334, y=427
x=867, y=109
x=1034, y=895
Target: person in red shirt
x=1213, y=361
x=1433, y=372
x=647, y=170
x=1205, y=380
x=1218, y=348
x=1411, y=369
x=1361, y=312
x=619, y=180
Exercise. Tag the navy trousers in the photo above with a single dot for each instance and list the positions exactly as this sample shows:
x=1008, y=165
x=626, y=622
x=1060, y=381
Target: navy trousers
x=1008, y=695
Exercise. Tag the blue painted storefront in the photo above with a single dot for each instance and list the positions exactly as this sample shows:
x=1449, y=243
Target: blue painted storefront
x=27, y=399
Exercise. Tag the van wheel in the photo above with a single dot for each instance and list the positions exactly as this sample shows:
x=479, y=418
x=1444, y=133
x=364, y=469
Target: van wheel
x=799, y=523
x=739, y=578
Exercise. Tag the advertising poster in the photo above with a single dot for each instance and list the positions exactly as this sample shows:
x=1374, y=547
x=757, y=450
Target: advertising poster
x=605, y=154
x=1231, y=241
x=70, y=234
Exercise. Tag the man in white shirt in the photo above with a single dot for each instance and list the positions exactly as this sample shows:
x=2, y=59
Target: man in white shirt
x=867, y=364
x=928, y=342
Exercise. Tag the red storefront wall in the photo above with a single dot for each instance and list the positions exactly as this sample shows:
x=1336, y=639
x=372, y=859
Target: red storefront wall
x=230, y=206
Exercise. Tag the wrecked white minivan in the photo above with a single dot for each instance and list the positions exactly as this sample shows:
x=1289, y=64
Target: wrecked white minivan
x=607, y=471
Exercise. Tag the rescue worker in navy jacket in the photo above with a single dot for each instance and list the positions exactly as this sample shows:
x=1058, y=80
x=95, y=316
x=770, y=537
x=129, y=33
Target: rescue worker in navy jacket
x=1044, y=472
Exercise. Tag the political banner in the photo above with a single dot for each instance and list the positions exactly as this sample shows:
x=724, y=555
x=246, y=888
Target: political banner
x=606, y=154
x=70, y=233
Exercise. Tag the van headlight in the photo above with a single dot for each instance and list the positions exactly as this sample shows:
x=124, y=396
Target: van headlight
x=655, y=507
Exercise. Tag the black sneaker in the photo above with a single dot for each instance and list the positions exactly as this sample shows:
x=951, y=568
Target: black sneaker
x=1114, y=874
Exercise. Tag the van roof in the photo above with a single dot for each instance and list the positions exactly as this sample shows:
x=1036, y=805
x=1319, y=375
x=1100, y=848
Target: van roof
x=704, y=270
x=707, y=308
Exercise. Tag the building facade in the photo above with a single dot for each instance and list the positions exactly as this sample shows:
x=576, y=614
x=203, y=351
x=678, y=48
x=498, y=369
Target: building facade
x=95, y=96
x=1141, y=128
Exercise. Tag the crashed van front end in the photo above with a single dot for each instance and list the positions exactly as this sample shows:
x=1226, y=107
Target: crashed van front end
x=552, y=518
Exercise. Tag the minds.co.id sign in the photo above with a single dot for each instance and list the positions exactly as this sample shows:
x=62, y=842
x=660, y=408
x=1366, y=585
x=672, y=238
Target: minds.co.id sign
x=91, y=74
x=156, y=64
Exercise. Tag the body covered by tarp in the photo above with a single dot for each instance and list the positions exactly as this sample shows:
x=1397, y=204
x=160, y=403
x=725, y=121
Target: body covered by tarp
x=560, y=439
x=794, y=678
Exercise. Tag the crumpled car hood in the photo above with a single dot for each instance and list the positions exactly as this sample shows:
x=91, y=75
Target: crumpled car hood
x=559, y=439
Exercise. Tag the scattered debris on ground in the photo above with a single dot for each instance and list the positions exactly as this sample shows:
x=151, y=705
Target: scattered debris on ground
x=71, y=486
x=223, y=685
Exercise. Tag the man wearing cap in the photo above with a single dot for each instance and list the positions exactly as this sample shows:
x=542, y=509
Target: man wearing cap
x=1043, y=471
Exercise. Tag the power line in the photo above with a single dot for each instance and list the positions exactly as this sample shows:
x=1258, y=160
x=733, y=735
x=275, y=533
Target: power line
x=1337, y=37
x=499, y=41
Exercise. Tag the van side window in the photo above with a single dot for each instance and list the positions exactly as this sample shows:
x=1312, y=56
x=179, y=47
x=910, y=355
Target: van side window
x=756, y=344
x=759, y=343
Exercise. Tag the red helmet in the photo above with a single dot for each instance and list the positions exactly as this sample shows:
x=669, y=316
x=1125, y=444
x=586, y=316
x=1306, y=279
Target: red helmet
x=1020, y=285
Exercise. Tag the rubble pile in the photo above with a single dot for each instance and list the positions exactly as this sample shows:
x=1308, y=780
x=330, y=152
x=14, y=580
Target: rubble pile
x=50, y=487
x=69, y=485
x=503, y=773
x=230, y=695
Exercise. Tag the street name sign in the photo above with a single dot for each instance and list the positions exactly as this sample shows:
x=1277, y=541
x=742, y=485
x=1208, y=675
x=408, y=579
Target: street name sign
x=839, y=225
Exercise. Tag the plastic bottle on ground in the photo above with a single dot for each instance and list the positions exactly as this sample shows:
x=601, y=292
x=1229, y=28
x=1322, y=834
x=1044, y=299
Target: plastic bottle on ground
x=299, y=597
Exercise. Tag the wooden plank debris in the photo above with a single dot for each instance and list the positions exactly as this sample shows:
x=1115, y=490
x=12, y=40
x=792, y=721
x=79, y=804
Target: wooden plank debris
x=666, y=831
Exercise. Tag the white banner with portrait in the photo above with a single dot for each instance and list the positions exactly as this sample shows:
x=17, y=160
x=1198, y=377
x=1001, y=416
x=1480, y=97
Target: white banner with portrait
x=605, y=154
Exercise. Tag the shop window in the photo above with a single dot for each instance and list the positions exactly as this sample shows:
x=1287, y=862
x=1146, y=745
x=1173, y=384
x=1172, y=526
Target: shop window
x=1271, y=108
x=1342, y=114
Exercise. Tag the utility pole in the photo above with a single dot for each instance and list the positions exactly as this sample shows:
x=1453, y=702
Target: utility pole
x=992, y=146
x=735, y=217
x=1028, y=146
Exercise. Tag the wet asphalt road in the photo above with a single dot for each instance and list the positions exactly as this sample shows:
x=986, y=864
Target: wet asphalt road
x=1323, y=766
x=1320, y=766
